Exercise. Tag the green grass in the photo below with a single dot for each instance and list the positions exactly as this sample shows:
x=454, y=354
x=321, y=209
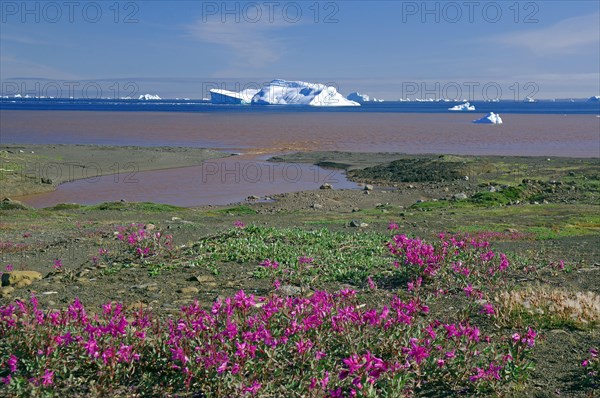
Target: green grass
x=338, y=256
x=237, y=210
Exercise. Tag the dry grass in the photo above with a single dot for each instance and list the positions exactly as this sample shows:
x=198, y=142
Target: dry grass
x=552, y=307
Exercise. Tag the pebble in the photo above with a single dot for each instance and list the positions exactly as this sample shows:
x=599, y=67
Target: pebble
x=188, y=290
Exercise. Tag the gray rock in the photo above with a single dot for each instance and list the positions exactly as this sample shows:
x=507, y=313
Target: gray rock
x=460, y=196
x=316, y=206
x=326, y=186
x=368, y=187
x=290, y=290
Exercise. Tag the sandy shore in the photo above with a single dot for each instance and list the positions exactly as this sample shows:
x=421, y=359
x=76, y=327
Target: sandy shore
x=29, y=169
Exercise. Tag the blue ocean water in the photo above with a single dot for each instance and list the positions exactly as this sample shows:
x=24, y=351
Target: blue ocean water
x=577, y=107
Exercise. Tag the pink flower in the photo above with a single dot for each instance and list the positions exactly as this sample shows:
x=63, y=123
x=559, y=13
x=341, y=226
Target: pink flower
x=353, y=363
x=305, y=260
x=270, y=264
x=253, y=389
x=12, y=363
x=417, y=352
x=468, y=290
x=487, y=309
x=9, y=268
x=530, y=337
x=303, y=346
x=516, y=337
x=393, y=226
x=372, y=284
x=585, y=363
x=48, y=378
x=239, y=224
x=58, y=265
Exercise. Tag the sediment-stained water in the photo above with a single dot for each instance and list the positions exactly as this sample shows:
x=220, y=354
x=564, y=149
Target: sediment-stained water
x=258, y=135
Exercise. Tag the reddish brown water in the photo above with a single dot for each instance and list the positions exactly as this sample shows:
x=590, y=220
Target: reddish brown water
x=261, y=134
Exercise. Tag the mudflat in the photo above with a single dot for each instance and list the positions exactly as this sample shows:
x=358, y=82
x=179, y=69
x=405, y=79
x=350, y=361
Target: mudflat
x=28, y=169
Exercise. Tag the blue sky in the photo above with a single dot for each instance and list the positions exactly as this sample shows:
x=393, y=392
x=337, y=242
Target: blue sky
x=388, y=49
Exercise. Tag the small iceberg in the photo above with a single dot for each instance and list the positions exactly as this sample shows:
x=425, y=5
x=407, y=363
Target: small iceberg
x=529, y=99
x=361, y=98
x=595, y=98
x=490, y=118
x=149, y=97
x=463, y=107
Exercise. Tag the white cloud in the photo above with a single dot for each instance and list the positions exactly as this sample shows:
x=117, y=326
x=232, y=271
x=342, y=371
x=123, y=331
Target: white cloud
x=251, y=45
x=569, y=36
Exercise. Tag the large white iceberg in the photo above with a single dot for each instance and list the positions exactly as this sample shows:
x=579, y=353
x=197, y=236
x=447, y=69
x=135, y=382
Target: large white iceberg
x=219, y=96
x=595, y=98
x=149, y=97
x=490, y=118
x=283, y=92
x=463, y=107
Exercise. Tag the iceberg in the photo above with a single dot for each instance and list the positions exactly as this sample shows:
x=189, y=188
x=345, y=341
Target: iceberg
x=463, y=107
x=595, y=98
x=490, y=118
x=283, y=92
x=358, y=97
x=529, y=99
x=149, y=97
x=220, y=96
x=362, y=98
